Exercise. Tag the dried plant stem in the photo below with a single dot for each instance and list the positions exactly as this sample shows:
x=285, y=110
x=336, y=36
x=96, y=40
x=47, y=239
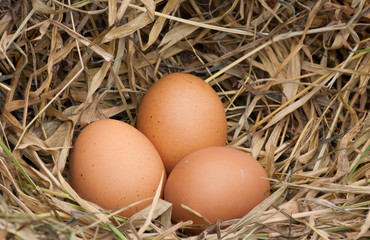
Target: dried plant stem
x=194, y=23
x=322, y=78
x=46, y=106
x=233, y=64
x=292, y=75
x=16, y=34
x=4, y=86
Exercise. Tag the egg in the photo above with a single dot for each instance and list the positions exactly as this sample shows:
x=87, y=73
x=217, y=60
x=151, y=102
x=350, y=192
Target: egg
x=180, y=114
x=218, y=183
x=113, y=165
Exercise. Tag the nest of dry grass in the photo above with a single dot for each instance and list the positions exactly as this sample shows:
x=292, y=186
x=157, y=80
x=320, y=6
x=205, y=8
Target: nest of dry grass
x=293, y=76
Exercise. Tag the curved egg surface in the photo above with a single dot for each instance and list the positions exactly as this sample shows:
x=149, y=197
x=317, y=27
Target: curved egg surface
x=217, y=182
x=114, y=165
x=180, y=114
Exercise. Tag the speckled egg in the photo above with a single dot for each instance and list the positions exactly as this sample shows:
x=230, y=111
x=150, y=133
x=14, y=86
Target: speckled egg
x=217, y=182
x=180, y=114
x=114, y=165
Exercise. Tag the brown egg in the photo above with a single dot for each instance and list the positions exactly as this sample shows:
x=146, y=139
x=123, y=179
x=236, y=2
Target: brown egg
x=217, y=182
x=114, y=165
x=181, y=114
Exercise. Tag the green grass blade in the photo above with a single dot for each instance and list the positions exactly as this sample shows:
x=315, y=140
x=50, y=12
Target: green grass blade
x=19, y=166
x=355, y=167
x=117, y=232
x=361, y=50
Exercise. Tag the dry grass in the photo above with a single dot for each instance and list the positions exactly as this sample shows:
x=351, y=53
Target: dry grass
x=294, y=84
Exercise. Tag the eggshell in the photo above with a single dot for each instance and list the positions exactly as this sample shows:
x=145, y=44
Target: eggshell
x=180, y=114
x=113, y=165
x=217, y=182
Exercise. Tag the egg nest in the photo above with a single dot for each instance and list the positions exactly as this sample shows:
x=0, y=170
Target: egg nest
x=293, y=77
